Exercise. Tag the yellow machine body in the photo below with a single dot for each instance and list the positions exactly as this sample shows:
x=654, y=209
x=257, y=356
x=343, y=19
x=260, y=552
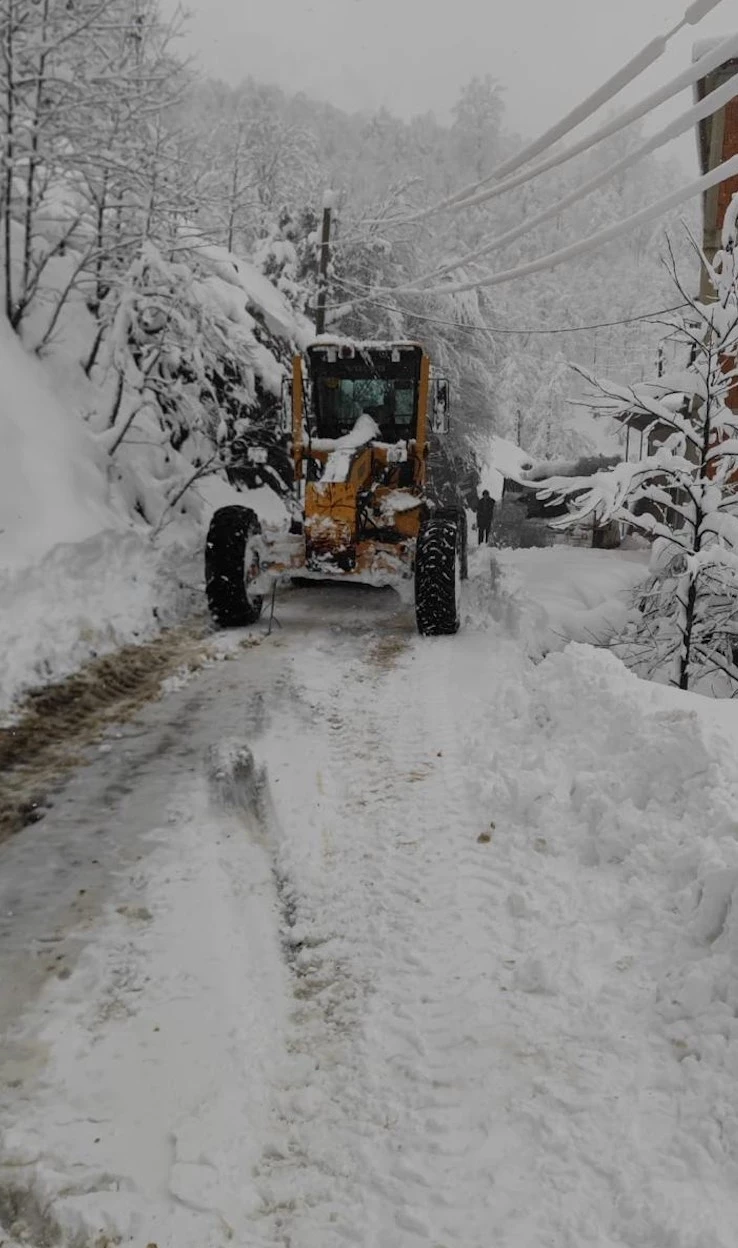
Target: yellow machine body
x=359, y=469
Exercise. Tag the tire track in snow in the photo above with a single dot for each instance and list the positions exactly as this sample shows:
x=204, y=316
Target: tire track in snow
x=307, y=1177
x=384, y=925
x=440, y=1137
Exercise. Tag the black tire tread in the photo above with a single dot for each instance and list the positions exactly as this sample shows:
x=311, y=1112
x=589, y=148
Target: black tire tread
x=458, y=515
x=225, y=551
x=436, y=608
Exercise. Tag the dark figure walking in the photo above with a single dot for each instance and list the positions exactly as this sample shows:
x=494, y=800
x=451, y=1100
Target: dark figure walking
x=485, y=513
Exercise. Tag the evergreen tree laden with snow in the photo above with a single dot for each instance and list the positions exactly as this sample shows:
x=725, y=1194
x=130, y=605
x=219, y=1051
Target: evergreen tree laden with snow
x=684, y=494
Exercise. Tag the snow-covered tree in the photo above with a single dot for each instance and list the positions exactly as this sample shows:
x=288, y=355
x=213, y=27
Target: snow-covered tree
x=552, y=427
x=288, y=255
x=189, y=369
x=515, y=391
x=88, y=168
x=477, y=121
x=684, y=493
x=42, y=52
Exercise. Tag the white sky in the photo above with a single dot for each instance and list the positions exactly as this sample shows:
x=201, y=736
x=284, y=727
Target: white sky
x=414, y=55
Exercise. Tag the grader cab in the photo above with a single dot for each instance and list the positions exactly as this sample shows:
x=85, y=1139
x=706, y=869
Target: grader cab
x=359, y=416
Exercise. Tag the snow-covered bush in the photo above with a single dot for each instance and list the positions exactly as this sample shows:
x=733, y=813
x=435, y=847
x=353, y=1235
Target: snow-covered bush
x=683, y=494
x=288, y=256
x=196, y=367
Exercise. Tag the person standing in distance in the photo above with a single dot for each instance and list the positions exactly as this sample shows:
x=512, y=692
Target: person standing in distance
x=485, y=514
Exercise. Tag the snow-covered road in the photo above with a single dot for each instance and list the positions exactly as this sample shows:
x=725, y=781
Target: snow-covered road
x=362, y=938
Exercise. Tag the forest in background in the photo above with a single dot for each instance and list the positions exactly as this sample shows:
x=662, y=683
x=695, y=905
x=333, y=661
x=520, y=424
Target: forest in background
x=128, y=179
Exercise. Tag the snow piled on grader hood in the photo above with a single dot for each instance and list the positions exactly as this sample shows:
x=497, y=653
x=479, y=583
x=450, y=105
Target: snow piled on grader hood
x=364, y=344
x=364, y=431
x=338, y=464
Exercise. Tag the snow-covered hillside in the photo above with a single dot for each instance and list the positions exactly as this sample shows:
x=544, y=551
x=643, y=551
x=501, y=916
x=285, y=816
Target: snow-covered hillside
x=101, y=535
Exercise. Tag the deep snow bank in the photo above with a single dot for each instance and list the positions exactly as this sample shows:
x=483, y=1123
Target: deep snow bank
x=552, y=595
x=79, y=575
x=52, y=488
x=643, y=781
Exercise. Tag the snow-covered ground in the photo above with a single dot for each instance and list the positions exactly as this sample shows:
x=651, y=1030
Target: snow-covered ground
x=564, y=594
x=363, y=938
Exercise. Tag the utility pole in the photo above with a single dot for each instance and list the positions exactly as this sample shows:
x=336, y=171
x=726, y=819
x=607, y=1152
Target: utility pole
x=660, y=359
x=328, y=200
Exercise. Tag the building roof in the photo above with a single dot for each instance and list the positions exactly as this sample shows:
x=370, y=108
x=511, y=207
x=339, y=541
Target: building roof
x=636, y=419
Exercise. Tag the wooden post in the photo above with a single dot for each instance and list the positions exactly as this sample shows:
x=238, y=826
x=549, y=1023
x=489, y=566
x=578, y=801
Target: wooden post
x=325, y=250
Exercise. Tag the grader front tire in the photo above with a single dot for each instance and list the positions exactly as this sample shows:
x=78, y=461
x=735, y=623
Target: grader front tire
x=438, y=559
x=231, y=562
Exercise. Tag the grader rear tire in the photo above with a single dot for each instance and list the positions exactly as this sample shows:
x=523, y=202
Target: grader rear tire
x=438, y=560
x=458, y=516
x=231, y=563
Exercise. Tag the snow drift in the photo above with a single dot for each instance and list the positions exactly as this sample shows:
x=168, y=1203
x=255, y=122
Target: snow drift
x=52, y=486
x=110, y=471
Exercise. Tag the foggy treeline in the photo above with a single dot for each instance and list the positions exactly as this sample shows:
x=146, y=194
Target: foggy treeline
x=121, y=162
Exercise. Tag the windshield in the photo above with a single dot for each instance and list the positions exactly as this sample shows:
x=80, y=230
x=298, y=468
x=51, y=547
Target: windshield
x=381, y=382
x=340, y=401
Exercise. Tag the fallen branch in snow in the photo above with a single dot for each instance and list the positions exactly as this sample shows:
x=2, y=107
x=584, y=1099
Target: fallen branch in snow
x=129, y=419
x=204, y=470
x=146, y=373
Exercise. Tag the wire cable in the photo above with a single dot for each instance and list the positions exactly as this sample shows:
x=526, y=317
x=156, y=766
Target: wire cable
x=648, y=55
x=499, y=329
x=585, y=246
x=474, y=194
x=685, y=122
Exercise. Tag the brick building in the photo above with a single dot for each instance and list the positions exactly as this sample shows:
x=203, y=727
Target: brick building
x=717, y=141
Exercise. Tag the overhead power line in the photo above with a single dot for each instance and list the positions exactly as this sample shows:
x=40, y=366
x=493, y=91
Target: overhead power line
x=716, y=56
x=480, y=192
x=652, y=52
x=517, y=330
x=704, y=108
x=592, y=243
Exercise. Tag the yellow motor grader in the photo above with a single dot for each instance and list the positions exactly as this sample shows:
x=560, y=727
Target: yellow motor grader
x=359, y=416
